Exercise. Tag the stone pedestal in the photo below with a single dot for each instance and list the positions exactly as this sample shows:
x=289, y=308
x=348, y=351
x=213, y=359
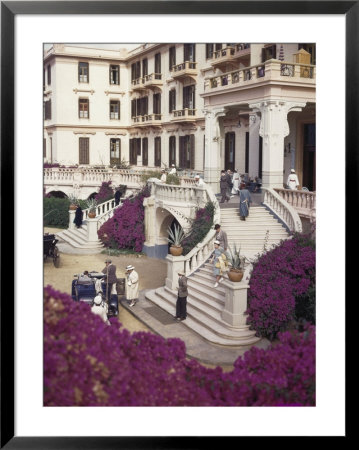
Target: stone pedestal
x=174, y=264
x=72, y=226
x=235, y=303
x=92, y=235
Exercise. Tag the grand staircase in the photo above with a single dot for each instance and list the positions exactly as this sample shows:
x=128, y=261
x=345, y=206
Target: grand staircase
x=204, y=306
x=77, y=238
x=260, y=231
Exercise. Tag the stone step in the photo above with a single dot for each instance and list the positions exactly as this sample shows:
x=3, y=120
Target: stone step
x=206, y=294
x=204, y=326
x=78, y=242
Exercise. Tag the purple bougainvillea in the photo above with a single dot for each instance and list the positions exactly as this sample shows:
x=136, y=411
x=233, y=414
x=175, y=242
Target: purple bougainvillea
x=126, y=228
x=278, y=278
x=105, y=193
x=88, y=363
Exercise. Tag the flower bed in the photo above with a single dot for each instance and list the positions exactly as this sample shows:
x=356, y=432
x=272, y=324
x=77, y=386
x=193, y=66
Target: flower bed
x=88, y=363
x=281, y=279
x=105, y=193
x=125, y=229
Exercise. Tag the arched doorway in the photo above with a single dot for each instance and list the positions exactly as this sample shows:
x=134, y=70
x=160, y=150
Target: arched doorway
x=56, y=194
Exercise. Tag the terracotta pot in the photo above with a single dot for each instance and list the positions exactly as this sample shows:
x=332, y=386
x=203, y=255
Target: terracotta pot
x=235, y=274
x=73, y=207
x=92, y=215
x=176, y=250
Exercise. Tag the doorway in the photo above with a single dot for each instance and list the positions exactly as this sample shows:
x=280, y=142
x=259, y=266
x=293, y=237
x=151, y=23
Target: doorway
x=309, y=164
x=230, y=146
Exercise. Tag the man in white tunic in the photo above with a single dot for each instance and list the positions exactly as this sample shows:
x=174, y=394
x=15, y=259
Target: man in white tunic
x=132, y=288
x=173, y=170
x=163, y=176
x=293, y=181
x=100, y=308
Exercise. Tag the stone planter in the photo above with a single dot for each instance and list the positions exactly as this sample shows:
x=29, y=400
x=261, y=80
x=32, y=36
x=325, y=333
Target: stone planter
x=73, y=207
x=235, y=275
x=92, y=214
x=176, y=250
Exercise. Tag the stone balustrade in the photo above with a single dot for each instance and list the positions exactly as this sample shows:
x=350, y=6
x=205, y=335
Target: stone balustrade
x=270, y=70
x=303, y=202
x=282, y=209
x=187, y=193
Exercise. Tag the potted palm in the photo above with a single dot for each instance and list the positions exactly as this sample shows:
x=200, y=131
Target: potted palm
x=91, y=205
x=73, y=202
x=175, y=238
x=236, y=263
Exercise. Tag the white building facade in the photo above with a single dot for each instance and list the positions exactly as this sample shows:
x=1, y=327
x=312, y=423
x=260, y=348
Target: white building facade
x=202, y=107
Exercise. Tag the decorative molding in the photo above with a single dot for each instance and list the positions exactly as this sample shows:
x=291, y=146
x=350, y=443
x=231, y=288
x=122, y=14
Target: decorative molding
x=91, y=91
x=85, y=132
x=115, y=92
x=108, y=133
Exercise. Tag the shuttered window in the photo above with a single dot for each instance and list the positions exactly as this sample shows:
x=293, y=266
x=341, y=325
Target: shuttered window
x=144, y=67
x=84, y=150
x=83, y=72
x=172, y=150
x=114, y=74
x=172, y=57
x=49, y=75
x=187, y=152
x=145, y=151
x=115, y=151
x=114, y=109
x=189, y=52
x=156, y=103
x=209, y=51
x=189, y=97
x=269, y=52
x=133, y=152
x=158, y=152
x=47, y=108
x=158, y=63
x=84, y=112
x=172, y=100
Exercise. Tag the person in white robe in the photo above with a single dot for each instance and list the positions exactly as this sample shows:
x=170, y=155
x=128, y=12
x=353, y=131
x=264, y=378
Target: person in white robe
x=293, y=181
x=132, y=285
x=100, y=308
x=173, y=170
x=235, y=181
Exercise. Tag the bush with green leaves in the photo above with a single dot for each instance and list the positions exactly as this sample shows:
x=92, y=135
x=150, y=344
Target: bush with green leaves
x=173, y=179
x=56, y=211
x=201, y=225
x=151, y=174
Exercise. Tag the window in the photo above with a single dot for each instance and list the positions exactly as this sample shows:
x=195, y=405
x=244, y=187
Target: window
x=158, y=63
x=49, y=75
x=135, y=71
x=172, y=57
x=115, y=151
x=172, y=150
x=157, y=151
x=84, y=146
x=144, y=67
x=189, y=52
x=269, y=52
x=133, y=152
x=84, y=108
x=156, y=103
x=47, y=110
x=83, y=72
x=172, y=100
x=145, y=151
x=189, y=97
x=114, y=109
x=114, y=74
x=209, y=51
x=44, y=148
x=186, y=152
x=218, y=47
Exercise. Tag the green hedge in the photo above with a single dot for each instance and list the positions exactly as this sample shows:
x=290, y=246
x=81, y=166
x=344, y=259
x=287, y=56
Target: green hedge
x=56, y=211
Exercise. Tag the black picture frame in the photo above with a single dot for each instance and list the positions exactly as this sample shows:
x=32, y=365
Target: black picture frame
x=9, y=10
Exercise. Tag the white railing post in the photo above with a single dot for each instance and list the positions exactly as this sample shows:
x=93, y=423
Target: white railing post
x=71, y=219
x=235, y=303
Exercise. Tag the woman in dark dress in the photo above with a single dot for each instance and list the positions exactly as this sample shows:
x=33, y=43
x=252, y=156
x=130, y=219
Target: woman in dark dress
x=78, y=216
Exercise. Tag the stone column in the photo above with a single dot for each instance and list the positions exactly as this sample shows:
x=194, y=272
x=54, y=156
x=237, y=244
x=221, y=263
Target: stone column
x=174, y=264
x=254, y=123
x=212, y=151
x=92, y=230
x=235, y=303
x=71, y=219
x=150, y=225
x=273, y=129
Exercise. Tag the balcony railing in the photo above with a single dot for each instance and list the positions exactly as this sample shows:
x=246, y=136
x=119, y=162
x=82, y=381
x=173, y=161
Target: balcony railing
x=184, y=114
x=147, y=119
x=187, y=68
x=152, y=80
x=138, y=83
x=270, y=70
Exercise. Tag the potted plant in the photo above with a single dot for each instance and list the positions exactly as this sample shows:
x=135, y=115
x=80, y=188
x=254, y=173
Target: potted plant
x=91, y=204
x=73, y=202
x=236, y=263
x=175, y=238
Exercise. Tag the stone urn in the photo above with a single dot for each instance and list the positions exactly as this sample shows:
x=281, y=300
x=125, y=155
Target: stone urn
x=235, y=275
x=73, y=207
x=176, y=250
x=92, y=214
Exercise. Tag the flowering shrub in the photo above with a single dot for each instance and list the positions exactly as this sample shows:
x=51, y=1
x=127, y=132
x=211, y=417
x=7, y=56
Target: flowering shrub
x=125, y=229
x=201, y=225
x=105, y=193
x=88, y=363
x=279, y=277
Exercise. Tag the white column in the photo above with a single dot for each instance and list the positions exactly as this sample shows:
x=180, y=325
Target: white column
x=273, y=129
x=174, y=264
x=212, y=152
x=235, y=303
x=254, y=123
x=71, y=219
x=92, y=230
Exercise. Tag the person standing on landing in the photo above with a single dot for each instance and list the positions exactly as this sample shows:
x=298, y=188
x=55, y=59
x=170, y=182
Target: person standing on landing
x=181, y=304
x=244, y=201
x=132, y=288
x=223, y=184
x=221, y=236
x=110, y=278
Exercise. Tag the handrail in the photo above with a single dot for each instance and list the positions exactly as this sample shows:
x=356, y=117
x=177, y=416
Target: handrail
x=282, y=209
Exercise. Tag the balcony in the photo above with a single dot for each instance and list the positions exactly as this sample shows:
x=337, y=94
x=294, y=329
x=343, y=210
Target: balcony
x=154, y=80
x=271, y=71
x=184, y=115
x=138, y=84
x=223, y=57
x=147, y=120
x=242, y=51
x=184, y=70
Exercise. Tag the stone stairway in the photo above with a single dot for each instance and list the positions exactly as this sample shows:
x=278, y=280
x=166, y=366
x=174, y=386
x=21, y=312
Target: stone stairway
x=260, y=227
x=204, y=308
x=77, y=238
